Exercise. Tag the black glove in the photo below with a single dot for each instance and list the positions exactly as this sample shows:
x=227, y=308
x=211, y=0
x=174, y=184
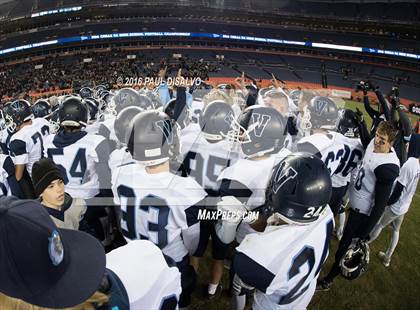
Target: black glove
x=358, y=116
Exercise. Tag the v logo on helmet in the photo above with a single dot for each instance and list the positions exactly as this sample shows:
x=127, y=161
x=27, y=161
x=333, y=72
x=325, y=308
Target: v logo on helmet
x=166, y=128
x=259, y=122
x=230, y=119
x=320, y=106
x=283, y=176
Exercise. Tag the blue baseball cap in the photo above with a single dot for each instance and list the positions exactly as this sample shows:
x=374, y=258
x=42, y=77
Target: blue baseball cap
x=42, y=264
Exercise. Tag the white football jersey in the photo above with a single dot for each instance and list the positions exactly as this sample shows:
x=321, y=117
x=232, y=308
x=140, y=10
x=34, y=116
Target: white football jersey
x=327, y=146
x=409, y=177
x=353, y=155
x=189, y=134
x=204, y=161
x=148, y=280
x=93, y=128
x=157, y=207
x=106, y=129
x=119, y=157
x=77, y=156
x=283, y=262
x=255, y=175
x=6, y=135
x=362, y=192
x=27, y=145
x=196, y=108
x=6, y=169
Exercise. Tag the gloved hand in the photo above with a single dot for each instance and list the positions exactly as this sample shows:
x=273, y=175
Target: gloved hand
x=358, y=118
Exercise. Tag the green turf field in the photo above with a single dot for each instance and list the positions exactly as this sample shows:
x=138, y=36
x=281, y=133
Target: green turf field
x=395, y=287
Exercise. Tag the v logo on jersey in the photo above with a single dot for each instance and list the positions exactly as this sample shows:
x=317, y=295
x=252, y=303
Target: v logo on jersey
x=320, y=106
x=167, y=130
x=259, y=122
x=282, y=176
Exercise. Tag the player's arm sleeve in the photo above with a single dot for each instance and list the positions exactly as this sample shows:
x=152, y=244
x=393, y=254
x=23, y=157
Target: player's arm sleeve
x=308, y=148
x=192, y=213
x=180, y=102
x=252, y=96
x=236, y=189
x=163, y=92
x=9, y=167
x=384, y=105
x=291, y=126
x=18, y=152
x=364, y=134
x=102, y=168
x=369, y=110
x=402, y=181
x=252, y=273
x=385, y=177
x=396, y=193
x=405, y=125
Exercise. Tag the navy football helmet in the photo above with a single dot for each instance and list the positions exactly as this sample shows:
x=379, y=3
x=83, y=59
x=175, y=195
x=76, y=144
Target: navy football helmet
x=299, y=190
x=216, y=120
x=99, y=89
x=122, y=123
x=86, y=92
x=153, y=138
x=128, y=97
x=261, y=131
x=16, y=113
x=95, y=109
x=73, y=113
x=42, y=109
x=321, y=112
x=347, y=124
x=356, y=260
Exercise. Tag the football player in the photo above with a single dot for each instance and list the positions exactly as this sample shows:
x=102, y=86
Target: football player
x=204, y=158
x=370, y=192
x=283, y=261
x=282, y=103
x=83, y=159
x=383, y=113
x=348, y=127
x=260, y=132
x=320, y=117
x=42, y=108
x=157, y=204
x=400, y=200
x=94, y=108
x=261, y=135
x=26, y=144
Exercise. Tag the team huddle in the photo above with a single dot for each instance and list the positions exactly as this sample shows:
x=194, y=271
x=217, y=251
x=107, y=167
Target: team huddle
x=130, y=164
